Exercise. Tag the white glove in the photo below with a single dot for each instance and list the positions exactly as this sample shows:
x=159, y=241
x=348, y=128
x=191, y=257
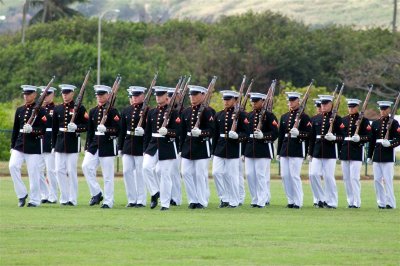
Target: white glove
x=294, y=132
x=72, y=127
x=233, y=135
x=258, y=134
x=163, y=131
x=27, y=128
x=330, y=137
x=278, y=157
x=101, y=128
x=119, y=153
x=369, y=161
x=386, y=143
x=309, y=158
x=139, y=131
x=355, y=138
x=196, y=132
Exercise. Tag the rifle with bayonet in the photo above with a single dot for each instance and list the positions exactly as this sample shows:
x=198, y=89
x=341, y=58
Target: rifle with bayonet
x=364, y=107
x=237, y=106
x=335, y=109
x=145, y=106
x=206, y=101
x=268, y=101
x=79, y=99
x=246, y=97
x=170, y=107
x=183, y=89
x=111, y=99
x=39, y=103
x=270, y=96
x=302, y=106
x=391, y=116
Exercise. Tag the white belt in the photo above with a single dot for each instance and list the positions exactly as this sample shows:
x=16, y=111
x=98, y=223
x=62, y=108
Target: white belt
x=287, y=135
x=49, y=129
x=97, y=133
x=252, y=136
x=157, y=135
x=347, y=138
x=190, y=135
x=223, y=135
x=62, y=129
x=319, y=136
x=379, y=140
x=21, y=130
x=128, y=132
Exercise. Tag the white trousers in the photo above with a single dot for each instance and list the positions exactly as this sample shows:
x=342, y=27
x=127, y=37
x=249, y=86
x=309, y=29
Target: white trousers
x=290, y=171
x=67, y=176
x=351, y=179
x=258, y=174
x=165, y=170
x=195, y=177
x=242, y=191
x=43, y=182
x=326, y=168
x=133, y=178
x=89, y=167
x=383, y=180
x=49, y=185
x=176, y=193
x=225, y=172
x=17, y=158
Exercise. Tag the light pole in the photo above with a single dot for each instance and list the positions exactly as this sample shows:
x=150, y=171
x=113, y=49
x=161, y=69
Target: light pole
x=99, y=42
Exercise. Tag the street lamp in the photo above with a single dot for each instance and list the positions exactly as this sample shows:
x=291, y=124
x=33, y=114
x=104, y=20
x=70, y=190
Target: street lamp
x=2, y=17
x=99, y=42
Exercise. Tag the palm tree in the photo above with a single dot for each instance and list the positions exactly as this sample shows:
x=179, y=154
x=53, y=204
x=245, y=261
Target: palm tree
x=51, y=10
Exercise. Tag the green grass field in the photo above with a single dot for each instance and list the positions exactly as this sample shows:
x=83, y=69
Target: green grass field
x=83, y=235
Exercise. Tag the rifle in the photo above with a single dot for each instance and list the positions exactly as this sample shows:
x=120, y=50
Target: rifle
x=335, y=109
x=181, y=101
x=302, y=106
x=391, y=117
x=206, y=101
x=39, y=103
x=335, y=91
x=270, y=96
x=237, y=106
x=145, y=106
x=246, y=97
x=268, y=101
x=361, y=116
x=111, y=99
x=167, y=114
x=79, y=99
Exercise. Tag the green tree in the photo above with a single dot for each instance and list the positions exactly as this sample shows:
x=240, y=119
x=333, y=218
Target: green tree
x=51, y=10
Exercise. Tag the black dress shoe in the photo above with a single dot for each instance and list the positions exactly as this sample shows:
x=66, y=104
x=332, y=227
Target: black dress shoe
x=296, y=206
x=380, y=207
x=260, y=207
x=350, y=207
x=267, y=203
x=105, y=206
x=290, y=206
x=223, y=204
x=52, y=202
x=240, y=204
x=64, y=203
x=139, y=205
x=200, y=206
x=69, y=203
x=324, y=204
x=96, y=199
x=389, y=207
x=321, y=204
x=192, y=206
x=154, y=200
x=253, y=205
x=130, y=205
x=173, y=203
x=43, y=201
x=330, y=207
x=231, y=207
x=164, y=209
x=31, y=205
x=22, y=201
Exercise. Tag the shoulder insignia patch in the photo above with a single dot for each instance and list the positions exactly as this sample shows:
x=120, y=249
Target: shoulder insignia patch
x=211, y=118
x=342, y=126
x=86, y=116
x=116, y=118
x=274, y=123
x=178, y=120
x=44, y=119
x=246, y=121
x=369, y=128
x=309, y=124
x=398, y=130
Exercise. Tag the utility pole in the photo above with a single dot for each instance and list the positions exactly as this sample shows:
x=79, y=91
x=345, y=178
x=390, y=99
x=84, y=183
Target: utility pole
x=394, y=15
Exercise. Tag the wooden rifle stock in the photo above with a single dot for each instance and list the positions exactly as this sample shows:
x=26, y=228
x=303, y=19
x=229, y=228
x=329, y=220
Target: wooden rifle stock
x=237, y=107
x=145, y=106
x=391, y=117
x=39, y=103
x=361, y=116
x=246, y=97
x=111, y=99
x=206, y=101
x=170, y=107
x=79, y=99
x=267, y=102
x=184, y=91
x=302, y=106
x=335, y=109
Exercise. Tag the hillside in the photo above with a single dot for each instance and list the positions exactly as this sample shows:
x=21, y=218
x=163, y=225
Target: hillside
x=361, y=14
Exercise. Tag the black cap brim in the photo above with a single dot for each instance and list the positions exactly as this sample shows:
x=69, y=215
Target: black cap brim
x=66, y=91
x=325, y=101
x=293, y=99
x=194, y=93
x=101, y=92
x=160, y=93
x=28, y=92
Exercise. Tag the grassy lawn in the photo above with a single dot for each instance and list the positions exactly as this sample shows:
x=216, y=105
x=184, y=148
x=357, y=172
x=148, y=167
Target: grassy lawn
x=86, y=235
